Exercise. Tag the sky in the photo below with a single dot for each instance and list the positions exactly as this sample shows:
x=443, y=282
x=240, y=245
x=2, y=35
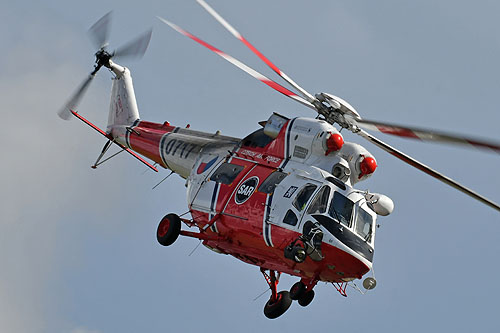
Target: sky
x=78, y=251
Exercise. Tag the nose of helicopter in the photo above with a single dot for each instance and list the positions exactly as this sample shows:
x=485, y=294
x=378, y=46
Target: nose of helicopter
x=343, y=265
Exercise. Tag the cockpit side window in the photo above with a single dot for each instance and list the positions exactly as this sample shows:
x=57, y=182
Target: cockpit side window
x=290, y=218
x=270, y=183
x=226, y=173
x=364, y=225
x=320, y=202
x=341, y=209
x=303, y=197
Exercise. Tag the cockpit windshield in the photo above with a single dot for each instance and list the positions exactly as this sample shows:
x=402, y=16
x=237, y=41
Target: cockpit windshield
x=364, y=225
x=341, y=209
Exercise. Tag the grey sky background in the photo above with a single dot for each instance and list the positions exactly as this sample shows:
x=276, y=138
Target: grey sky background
x=77, y=246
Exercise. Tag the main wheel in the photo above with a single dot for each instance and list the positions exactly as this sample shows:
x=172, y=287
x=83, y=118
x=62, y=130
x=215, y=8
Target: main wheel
x=297, y=290
x=275, y=309
x=168, y=229
x=306, y=298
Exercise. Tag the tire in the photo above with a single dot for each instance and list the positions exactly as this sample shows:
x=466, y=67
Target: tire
x=275, y=309
x=168, y=229
x=306, y=298
x=297, y=290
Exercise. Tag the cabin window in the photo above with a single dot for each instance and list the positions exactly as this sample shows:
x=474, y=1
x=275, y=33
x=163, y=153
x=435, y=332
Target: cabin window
x=226, y=173
x=320, y=202
x=303, y=197
x=270, y=183
x=341, y=209
x=364, y=223
x=290, y=218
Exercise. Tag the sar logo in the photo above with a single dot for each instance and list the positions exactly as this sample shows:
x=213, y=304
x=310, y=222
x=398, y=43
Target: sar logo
x=246, y=190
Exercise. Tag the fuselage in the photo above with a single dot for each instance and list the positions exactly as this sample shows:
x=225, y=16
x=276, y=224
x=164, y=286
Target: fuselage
x=252, y=197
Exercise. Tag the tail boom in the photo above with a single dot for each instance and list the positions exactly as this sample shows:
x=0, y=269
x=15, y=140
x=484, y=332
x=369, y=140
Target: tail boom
x=174, y=148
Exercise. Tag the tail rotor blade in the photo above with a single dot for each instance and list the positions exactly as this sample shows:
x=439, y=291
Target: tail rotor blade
x=135, y=48
x=65, y=113
x=99, y=32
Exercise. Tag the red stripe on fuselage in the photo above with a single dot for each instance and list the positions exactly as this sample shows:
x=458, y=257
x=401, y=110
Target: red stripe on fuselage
x=145, y=139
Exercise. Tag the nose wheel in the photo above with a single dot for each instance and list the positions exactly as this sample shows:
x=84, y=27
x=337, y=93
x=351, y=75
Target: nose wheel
x=168, y=229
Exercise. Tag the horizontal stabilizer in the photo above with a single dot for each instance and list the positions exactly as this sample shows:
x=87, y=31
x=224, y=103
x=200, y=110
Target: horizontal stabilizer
x=112, y=140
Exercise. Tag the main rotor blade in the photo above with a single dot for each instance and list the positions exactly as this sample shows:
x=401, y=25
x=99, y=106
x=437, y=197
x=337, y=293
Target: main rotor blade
x=65, y=113
x=310, y=98
x=242, y=66
x=422, y=167
x=135, y=48
x=426, y=135
x=99, y=32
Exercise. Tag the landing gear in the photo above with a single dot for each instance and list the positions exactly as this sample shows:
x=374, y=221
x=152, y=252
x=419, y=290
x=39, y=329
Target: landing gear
x=279, y=302
x=302, y=293
x=274, y=309
x=297, y=290
x=168, y=229
x=306, y=298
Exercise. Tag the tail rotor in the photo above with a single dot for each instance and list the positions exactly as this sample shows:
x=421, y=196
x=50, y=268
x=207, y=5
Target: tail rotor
x=99, y=33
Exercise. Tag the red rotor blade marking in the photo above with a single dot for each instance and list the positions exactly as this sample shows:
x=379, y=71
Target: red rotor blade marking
x=276, y=86
x=399, y=132
x=237, y=34
x=422, y=167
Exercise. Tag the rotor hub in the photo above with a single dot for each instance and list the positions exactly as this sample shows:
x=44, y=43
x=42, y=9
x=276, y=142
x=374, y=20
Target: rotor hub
x=102, y=58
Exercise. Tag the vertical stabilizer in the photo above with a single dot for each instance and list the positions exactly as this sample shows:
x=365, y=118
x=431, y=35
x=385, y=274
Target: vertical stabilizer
x=123, y=106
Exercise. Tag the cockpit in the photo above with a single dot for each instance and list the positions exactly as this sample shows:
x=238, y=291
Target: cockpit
x=349, y=214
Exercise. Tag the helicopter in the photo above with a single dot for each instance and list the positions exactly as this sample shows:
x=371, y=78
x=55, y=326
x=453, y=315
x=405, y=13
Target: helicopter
x=283, y=197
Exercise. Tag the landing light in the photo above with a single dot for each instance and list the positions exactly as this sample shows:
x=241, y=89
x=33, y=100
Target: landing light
x=369, y=283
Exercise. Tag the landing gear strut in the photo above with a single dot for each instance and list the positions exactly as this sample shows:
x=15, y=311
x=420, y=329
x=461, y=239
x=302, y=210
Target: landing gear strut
x=279, y=301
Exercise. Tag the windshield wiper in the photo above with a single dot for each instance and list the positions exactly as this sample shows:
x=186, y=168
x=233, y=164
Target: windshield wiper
x=336, y=214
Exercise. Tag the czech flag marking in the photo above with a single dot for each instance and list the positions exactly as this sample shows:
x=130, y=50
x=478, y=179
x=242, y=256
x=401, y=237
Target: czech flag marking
x=205, y=166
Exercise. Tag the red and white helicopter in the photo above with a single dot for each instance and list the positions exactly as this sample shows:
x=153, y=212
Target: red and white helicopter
x=283, y=197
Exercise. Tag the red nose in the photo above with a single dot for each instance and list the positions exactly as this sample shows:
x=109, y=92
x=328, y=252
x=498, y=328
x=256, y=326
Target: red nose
x=334, y=143
x=367, y=166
